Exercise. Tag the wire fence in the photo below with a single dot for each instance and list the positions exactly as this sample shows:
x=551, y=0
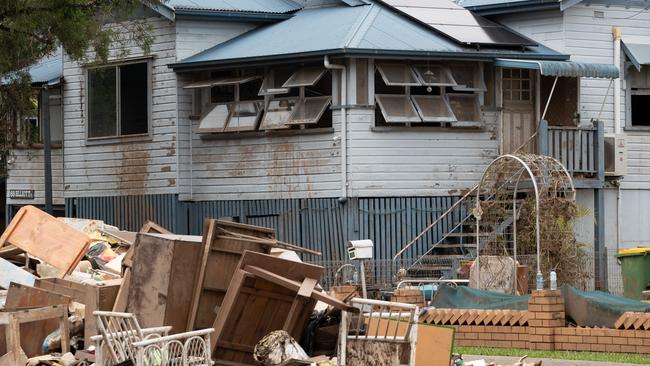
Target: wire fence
x=385, y=273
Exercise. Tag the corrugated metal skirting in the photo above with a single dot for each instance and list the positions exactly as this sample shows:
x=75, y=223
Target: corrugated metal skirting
x=321, y=224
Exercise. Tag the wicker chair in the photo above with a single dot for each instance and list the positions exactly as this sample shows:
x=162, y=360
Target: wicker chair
x=123, y=342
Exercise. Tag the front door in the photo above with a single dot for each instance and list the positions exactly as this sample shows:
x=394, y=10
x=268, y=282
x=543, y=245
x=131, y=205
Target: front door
x=519, y=122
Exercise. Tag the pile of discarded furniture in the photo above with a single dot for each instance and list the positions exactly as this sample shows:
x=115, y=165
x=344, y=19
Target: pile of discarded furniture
x=80, y=292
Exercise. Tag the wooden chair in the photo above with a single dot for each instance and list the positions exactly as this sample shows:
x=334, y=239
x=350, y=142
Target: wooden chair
x=391, y=323
x=121, y=341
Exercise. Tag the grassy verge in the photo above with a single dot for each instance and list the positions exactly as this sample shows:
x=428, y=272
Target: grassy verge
x=562, y=355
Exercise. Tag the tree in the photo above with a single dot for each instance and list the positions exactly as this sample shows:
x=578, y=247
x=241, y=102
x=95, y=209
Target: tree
x=33, y=29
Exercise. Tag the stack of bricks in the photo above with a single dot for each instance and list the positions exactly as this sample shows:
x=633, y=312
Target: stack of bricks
x=407, y=296
x=546, y=318
x=602, y=340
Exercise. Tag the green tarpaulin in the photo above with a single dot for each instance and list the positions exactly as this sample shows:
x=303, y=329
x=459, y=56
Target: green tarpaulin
x=584, y=308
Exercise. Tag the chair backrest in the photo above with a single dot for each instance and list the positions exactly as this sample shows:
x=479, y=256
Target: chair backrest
x=119, y=331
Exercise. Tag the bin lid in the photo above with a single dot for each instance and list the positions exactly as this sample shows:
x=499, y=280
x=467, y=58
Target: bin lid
x=634, y=251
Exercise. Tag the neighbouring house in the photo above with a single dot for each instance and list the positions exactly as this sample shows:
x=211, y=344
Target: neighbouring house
x=605, y=31
x=23, y=140
x=328, y=120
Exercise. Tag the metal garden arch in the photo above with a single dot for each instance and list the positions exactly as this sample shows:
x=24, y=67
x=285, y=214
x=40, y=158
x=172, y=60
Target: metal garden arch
x=509, y=176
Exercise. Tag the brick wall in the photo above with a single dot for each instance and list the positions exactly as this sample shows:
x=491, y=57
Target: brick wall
x=545, y=329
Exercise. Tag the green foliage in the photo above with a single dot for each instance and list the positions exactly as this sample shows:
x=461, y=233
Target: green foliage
x=558, y=355
x=88, y=30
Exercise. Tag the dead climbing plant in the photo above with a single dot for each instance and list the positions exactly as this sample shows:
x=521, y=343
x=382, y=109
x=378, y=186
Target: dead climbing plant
x=507, y=182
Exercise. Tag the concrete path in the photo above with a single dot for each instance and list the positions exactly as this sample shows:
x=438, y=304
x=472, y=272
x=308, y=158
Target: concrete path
x=507, y=361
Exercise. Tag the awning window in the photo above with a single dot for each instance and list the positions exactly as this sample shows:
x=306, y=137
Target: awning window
x=310, y=110
x=637, y=50
x=306, y=76
x=278, y=113
x=244, y=116
x=271, y=85
x=234, y=80
x=466, y=107
x=435, y=75
x=397, y=108
x=562, y=68
x=215, y=120
x=433, y=108
x=398, y=75
x=468, y=76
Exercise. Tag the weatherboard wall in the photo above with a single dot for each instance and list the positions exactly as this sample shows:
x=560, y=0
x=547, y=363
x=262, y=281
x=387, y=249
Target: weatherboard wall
x=26, y=173
x=145, y=165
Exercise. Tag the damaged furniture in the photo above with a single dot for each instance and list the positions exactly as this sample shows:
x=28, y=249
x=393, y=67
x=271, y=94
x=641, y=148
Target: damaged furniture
x=383, y=332
x=46, y=238
x=12, y=321
x=266, y=294
x=122, y=340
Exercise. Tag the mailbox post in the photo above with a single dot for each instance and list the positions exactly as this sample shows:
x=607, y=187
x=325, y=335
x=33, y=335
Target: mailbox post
x=360, y=250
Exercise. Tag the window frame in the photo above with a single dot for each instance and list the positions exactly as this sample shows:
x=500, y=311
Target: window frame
x=444, y=99
x=266, y=113
x=391, y=120
x=443, y=68
x=477, y=109
x=301, y=103
x=478, y=77
x=118, y=137
x=384, y=76
x=632, y=90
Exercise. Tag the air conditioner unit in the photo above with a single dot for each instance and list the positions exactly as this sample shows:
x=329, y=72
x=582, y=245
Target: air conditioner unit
x=615, y=155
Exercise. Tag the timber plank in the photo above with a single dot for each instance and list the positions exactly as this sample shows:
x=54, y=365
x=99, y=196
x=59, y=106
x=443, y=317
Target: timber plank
x=43, y=236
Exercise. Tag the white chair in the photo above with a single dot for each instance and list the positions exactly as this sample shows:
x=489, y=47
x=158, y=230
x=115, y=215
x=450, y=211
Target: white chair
x=121, y=341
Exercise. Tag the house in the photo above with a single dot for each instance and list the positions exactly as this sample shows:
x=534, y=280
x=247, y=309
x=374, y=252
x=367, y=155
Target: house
x=607, y=31
x=326, y=119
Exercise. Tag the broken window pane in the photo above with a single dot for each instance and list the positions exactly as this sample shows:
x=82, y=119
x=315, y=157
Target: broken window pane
x=398, y=74
x=134, y=99
x=468, y=76
x=215, y=120
x=244, y=116
x=465, y=107
x=278, y=113
x=102, y=102
x=306, y=76
x=433, y=108
x=310, y=110
x=435, y=75
x=397, y=108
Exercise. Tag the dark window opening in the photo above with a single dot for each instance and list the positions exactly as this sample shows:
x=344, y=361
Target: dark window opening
x=102, y=102
x=382, y=88
x=134, y=99
x=641, y=110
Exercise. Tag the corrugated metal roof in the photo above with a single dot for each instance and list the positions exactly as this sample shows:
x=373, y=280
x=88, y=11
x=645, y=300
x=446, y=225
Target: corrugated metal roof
x=371, y=29
x=637, y=49
x=48, y=70
x=252, y=6
x=563, y=68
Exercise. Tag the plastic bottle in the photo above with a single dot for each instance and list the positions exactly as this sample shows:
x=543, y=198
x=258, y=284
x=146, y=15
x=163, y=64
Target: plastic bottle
x=540, y=281
x=553, y=279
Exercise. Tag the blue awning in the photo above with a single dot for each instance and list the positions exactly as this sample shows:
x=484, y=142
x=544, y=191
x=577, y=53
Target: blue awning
x=637, y=50
x=563, y=68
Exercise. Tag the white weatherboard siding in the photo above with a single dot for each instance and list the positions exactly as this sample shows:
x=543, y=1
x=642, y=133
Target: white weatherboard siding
x=589, y=39
x=298, y=166
x=546, y=27
x=417, y=162
x=27, y=173
x=194, y=36
x=126, y=168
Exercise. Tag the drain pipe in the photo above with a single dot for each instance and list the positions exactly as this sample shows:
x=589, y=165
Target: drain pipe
x=344, y=125
x=616, y=35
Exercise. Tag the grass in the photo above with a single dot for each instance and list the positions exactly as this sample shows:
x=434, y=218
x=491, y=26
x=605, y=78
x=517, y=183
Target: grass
x=562, y=355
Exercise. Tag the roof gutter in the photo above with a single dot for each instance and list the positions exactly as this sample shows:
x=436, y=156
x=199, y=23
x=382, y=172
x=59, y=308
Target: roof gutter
x=231, y=16
x=510, y=8
x=343, y=52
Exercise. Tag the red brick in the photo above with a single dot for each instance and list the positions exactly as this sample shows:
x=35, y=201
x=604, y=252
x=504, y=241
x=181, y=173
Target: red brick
x=590, y=339
x=519, y=344
x=605, y=340
x=598, y=347
x=619, y=340
x=583, y=331
x=628, y=349
x=613, y=348
x=635, y=341
x=575, y=339
x=597, y=332
x=561, y=338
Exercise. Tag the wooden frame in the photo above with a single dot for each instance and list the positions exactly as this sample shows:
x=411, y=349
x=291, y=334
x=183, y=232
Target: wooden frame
x=43, y=236
x=12, y=321
x=266, y=294
x=99, y=296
